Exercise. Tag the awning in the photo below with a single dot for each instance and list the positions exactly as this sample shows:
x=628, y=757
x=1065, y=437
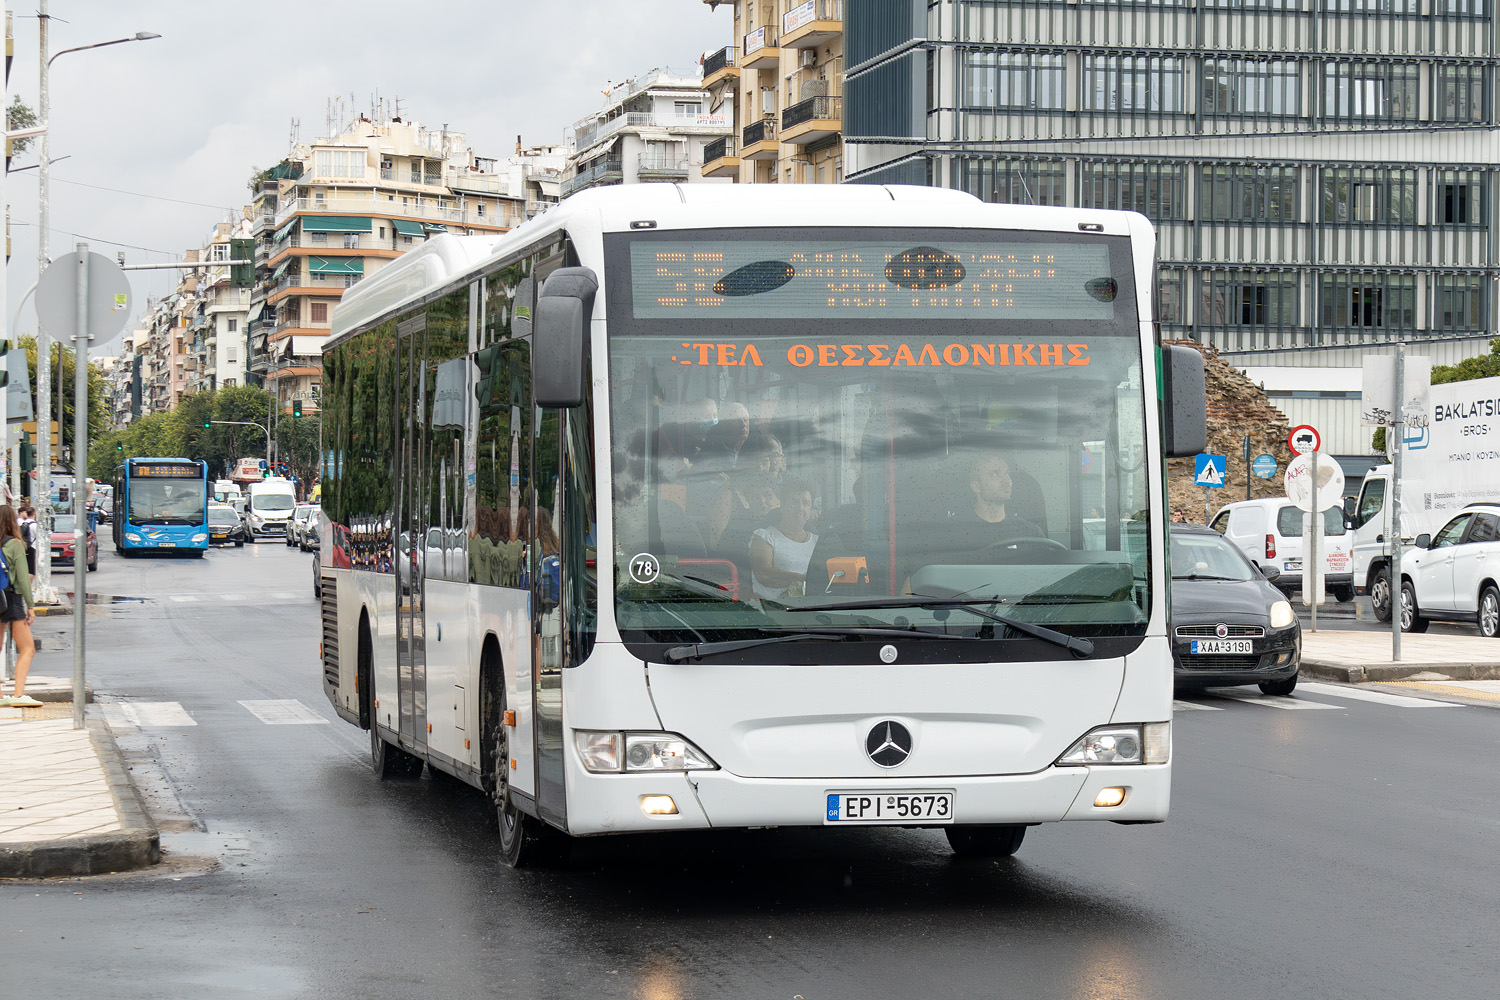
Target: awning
x=255, y=310
x=406, y=227
x=280, y=270
x=434, y=227
x=335, y=224
x=300, y=346
x=283, y=232
x=336, y=265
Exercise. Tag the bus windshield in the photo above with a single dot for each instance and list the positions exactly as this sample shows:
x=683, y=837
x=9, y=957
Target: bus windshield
x=810, y=424
x=167, y=501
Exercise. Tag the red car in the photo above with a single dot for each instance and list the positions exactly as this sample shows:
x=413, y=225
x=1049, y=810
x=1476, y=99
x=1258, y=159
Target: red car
x=62, y=542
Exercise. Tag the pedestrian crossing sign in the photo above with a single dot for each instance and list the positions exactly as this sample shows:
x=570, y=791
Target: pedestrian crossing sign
x=1209, y=470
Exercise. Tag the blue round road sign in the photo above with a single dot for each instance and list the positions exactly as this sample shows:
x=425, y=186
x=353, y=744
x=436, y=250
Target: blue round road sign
x=1264, y=466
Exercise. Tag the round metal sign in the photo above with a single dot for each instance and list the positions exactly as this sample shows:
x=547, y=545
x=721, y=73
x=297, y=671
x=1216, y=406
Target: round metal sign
x=1303, y=439
x=108, y=297
x=1264, y=466
x=1309, y=496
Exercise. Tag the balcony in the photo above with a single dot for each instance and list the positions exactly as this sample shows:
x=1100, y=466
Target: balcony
x=661, y=168
x=761, y=50
x=692, y=124
x=604, y=170
x=719, y=67
x=720, y=158
x=758, y=141
x=811, y=24
x=376, y=205
x=813, y=119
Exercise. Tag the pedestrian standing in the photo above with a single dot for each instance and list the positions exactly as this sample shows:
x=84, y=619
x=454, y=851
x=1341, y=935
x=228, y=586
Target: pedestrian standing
x=19, y=614
x=28, y=535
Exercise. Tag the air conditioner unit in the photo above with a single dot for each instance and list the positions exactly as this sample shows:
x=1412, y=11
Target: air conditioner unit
x=809, y=58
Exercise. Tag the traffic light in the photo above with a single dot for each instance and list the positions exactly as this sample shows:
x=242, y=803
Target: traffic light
x=28, y=453
x=119, y=446
x=206, y=423
x=296, y=407
x=242, y=275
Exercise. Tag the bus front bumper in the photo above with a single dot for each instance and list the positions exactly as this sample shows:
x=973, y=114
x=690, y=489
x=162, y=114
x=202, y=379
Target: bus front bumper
x=614, y=803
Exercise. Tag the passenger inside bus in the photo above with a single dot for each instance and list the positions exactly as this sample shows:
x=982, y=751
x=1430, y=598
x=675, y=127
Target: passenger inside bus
x=780, y=553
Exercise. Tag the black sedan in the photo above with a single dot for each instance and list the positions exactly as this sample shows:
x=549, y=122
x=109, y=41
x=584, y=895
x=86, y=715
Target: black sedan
x=1229, y=625
x=225, y=526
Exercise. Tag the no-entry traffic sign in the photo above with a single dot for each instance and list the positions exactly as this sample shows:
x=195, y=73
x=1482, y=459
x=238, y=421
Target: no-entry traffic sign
x=1304, y=439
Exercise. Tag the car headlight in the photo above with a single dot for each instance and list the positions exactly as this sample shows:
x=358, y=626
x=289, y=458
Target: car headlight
x=602, y=753
x=132, y=536
x=1281, y=614
x=200, y=538
x=1147, y=744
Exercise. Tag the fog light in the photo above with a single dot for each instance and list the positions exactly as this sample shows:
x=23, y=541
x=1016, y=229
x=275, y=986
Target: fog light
x=1109, y=797
x=661, y=805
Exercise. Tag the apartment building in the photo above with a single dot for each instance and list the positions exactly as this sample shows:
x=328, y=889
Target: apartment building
x=1322, y=173
x=782, y=81
x=651, y=128
x=343, y=207
x=220, y=313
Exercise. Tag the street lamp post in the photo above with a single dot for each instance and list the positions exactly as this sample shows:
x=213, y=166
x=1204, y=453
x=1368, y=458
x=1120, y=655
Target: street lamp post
x=43, y=342
x=264, y=429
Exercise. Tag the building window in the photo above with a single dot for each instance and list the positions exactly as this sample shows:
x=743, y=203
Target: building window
x=234, y=325
x=687, y=109
x=1461, y=302
x=1169, y=284
x=1135, y=84
x=1251, y=87
x=1461, y=198
x=351, y=241
x=1385, y=302
x=1462, y=93
x=1017, y=182
x=1248, y=194
x=320, y=239
x=1378, y=196
x=1153, y=189
x=320, y=312
x=339, y=163
x=1244, y=298
x=1384, y=91
x=230, y=355
x=1012, y=80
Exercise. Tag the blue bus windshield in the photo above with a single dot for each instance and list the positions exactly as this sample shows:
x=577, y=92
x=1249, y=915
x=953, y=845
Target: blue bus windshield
x=167, y=501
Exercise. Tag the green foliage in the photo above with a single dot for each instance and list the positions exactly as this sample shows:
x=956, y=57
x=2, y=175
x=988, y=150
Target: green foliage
x=181, y=432
x=1377, y=442
x=297, y=442
x=98, y=418
x=1484, y=366
x=19, y=116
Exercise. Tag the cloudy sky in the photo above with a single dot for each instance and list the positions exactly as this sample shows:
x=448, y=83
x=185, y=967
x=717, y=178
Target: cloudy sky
x=161, y=136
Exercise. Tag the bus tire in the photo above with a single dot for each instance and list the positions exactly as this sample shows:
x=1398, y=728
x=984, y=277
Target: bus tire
x=525, y=842
x=985, y=841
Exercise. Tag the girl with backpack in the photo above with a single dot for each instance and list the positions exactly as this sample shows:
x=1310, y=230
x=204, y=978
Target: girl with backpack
x=18, y=614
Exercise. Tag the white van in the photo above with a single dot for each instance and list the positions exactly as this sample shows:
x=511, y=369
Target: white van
x=1269, y=532
x=271, y=504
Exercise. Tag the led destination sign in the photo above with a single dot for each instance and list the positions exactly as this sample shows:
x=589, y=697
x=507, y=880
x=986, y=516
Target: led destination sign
x=674, y=279
x=166, y=472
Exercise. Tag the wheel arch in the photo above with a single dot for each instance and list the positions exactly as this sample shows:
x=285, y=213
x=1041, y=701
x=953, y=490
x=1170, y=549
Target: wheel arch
x=491, y=696
x=364, y=673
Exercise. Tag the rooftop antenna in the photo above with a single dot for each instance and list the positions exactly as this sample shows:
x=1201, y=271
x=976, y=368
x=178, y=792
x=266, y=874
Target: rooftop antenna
x=295, y=135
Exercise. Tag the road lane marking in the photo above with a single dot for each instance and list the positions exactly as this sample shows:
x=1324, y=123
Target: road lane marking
x=1178, y=705
x=1270, y=701
x=286, y=595
x=185, y=597
x=287, y=712
x=1379, y=697
x=144, y=714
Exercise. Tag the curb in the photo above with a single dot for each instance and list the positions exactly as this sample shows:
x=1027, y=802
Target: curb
x=137, y=845
x=44, y=610
x=1377, y=673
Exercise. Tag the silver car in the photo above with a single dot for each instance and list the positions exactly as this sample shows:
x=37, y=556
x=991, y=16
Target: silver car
x=294, y=524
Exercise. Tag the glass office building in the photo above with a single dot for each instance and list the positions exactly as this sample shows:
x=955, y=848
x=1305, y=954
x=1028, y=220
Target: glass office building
x=1322, y=172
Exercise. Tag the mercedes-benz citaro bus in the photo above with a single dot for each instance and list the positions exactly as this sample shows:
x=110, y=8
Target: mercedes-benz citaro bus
x=161, y=505
x=761, y=506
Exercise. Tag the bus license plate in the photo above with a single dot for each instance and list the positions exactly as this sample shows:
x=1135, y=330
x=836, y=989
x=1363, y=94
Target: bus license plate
x=890, y=807
x=167, y=545
x=1222, y=646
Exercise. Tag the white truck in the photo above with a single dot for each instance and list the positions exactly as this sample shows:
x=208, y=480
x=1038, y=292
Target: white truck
x=1452, y=462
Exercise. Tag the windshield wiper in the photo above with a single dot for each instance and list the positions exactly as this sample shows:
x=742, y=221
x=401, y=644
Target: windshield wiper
x=700, y=649
x=1076, y=646
x=1207, y=576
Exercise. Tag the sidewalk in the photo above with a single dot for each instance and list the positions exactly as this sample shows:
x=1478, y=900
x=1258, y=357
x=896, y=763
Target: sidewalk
x=1365, y=657
x=67, y=805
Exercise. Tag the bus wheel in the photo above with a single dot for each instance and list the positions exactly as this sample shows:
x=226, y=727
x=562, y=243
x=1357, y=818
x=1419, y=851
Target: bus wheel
x=985, y=841
x=525, y=842
x=391, y=761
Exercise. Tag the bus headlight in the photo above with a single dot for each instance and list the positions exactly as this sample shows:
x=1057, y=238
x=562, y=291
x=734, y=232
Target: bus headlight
x=200, y=537
x=611, y=753
x=131, y=536
x=1148, y=744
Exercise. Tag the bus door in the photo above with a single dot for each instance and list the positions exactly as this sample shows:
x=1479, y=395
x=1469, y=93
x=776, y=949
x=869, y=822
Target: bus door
x=411, y=531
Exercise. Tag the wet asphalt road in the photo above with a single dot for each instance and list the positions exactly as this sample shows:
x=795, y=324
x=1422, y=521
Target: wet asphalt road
x=1345, y=851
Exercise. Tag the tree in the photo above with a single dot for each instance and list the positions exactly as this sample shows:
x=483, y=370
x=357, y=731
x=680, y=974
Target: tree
x=98, y=416
x=19, y=116
x=1484, y=366
x=297, y=442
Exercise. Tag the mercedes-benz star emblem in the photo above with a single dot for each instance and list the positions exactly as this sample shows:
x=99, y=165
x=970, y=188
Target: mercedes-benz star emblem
x=889, y=743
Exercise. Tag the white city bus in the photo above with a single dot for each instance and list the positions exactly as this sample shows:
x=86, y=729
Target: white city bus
x=676, y=508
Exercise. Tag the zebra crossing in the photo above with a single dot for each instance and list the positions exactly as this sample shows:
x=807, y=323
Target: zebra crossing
x=1300, y=702
x=280, y=595
x=171, y=714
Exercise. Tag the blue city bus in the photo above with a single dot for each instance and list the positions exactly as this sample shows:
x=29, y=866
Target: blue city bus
x=161, y=504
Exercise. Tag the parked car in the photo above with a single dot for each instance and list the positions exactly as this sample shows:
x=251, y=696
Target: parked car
x=1454, y=576
x=225, y=526
x=1229, y=624
x=307, y=528
x=63, y=542
x=1269, y=533
x=300, y=514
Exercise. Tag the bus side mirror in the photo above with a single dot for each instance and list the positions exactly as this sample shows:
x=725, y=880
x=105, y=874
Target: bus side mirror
x=559, y=339
x=1184, y=402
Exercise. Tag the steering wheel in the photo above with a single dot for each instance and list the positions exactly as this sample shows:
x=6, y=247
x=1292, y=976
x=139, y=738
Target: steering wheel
x=1025, y=541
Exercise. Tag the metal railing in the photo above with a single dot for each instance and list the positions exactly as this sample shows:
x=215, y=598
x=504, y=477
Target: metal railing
x=813, y=109
x=761, y=38
x=812, y=10
x=718, y=149
x=661, y=166
x=643, y=119
x=605, y=168
x=761, y=131
x=374, y=204
x=715, y=61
